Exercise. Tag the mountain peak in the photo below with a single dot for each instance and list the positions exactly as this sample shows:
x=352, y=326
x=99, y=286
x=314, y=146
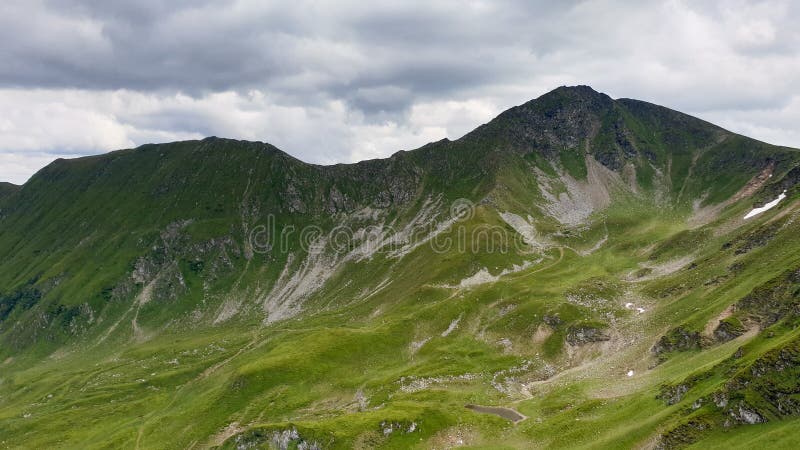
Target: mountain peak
x=579, y=118
x=562, y=118
x=577, y=90
x=572, y=96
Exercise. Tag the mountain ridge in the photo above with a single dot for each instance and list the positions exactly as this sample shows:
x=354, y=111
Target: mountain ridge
x=569, y=93
x=518, y=128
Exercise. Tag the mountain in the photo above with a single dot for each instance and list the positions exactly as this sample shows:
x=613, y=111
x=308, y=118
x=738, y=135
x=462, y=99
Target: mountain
x=578, y=272
x=7, y=189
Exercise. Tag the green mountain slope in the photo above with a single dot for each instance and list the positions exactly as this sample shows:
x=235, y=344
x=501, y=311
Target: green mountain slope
x=580, y=262
x=7, y=189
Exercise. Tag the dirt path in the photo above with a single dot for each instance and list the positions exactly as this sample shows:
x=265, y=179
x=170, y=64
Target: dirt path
x=225, y=361
x=558, y=261
x=218, y=439
x=200, y=377
x=712, y=324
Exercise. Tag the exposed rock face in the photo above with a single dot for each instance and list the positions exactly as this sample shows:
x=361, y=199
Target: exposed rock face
x=389, y=427
x=743, y=414
x=776, y=378
x=337, y=202
x=170, y=284
x=21, y=299
x=729, y=329
x=553, y=320
x=673, y=394
x=789, y=183
x=293, y=200
x=398, y=192
x=682, y=435
x=677, y=340
x=774, y=300
x=161, y=265
x=563, y=118
x=618, y=145
x=764, y=390
x=612, y=143
x=586, y=333
x=276, y=439
x=757, y=239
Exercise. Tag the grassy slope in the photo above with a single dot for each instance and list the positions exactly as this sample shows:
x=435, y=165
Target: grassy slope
x=306, y=372
x=7, y=189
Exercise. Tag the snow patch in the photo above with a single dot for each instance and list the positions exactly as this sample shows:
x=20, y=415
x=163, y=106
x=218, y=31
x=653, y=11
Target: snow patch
x=766, y=207
x=705, y=214
x=632, y=306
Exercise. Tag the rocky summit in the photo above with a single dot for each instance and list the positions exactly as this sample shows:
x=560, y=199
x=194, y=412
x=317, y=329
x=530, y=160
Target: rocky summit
x=580, y=272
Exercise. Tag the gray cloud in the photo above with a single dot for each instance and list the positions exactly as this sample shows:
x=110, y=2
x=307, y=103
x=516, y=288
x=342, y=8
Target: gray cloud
x=344, y=80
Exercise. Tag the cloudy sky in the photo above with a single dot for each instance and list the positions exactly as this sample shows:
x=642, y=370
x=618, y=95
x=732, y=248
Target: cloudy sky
x=342, y=81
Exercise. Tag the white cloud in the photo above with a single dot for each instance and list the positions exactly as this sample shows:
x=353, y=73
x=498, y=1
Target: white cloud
x=774, y=125
x=68, y=121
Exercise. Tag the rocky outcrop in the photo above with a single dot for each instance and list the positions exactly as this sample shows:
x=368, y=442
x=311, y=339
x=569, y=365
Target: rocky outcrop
x=688, y=432
x=729, y=329
x=283, y=439
x=563, y=118
x=582, y=334
x=20, y=300
x=775, y=300
x=768, y=389
x=677, y=340
x=757, y=239
x=789, y=183
x=672, y=394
